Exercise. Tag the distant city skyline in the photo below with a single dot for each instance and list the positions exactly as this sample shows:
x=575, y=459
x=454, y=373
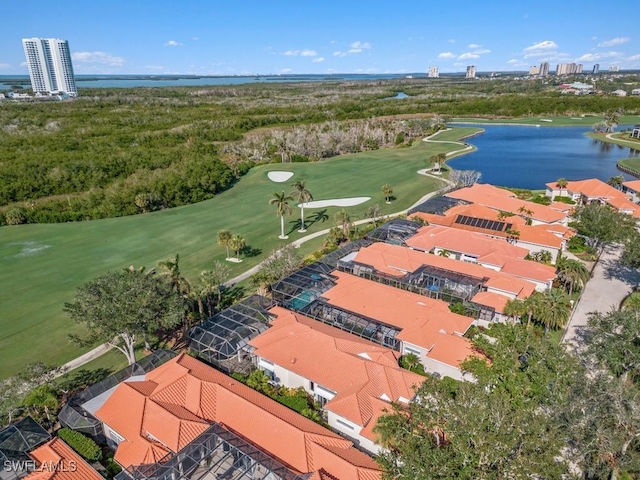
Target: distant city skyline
x=199, y=37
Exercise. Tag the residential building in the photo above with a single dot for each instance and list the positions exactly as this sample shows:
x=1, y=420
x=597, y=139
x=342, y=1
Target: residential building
x=354, y=379
x=424, y=326
x=534, y=70
x=596, y=69
x=619, y=93
x=614, y=68
x=635, y=91
x=594, y=190
x=635, y=133
x=50, y=67
x=56, y=460
x=439, y=277
x=544, y=69
x=471, y=71
x=568, y=69
x=185, y=415
x=433, y=72
x=632, y=188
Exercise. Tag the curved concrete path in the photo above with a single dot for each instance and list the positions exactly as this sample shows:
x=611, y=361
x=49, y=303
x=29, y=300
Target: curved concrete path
x=466, y=146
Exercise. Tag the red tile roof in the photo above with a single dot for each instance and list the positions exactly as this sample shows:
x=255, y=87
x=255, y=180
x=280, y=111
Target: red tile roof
x=489, y=197
x=190, y=394
x=359, y=371
x=57, y=461
x=490, y=299
x=633, y=185
x=397, y=260
x=469, y=243
x=425, y=322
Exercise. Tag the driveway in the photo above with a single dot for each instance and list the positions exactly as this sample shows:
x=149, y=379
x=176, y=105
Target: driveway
x=610, y=284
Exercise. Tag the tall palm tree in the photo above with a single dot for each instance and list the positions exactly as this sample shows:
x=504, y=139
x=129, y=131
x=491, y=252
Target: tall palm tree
x=303, y=195
x=616, y=182
x=387, y=191
x=515, y=308
x=171, y=269
x=554, y=309
x=343, y=220
x=572, y=273
x=281, y=201
x=238, y=243
x=562, y=184
x=611, y=119
x=224, y=239
x=531, y=306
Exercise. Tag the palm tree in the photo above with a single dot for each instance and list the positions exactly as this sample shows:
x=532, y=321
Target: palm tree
x=441, y=159
x=531, y=306
x=526, y=213
x=561, y=183
x=171, y=269
x=554, y=309
x=238, y=243
x=42, y=400
x=611, y=119
x=281, y=201
x=616, y=182
x=224, y=239
x=572, y=273
x=444, y=253
x=343, y=220
x=304, y=196
x=515, y=308
x=387, y=191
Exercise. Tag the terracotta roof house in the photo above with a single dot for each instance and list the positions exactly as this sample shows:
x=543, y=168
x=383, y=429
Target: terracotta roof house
x=437, y=274
x=353, y=378
x=503, y=200
x=485, y=221
x=595, y=190
x=632, y=188
x=192, y=417
x=57, y=461
x=423, y=326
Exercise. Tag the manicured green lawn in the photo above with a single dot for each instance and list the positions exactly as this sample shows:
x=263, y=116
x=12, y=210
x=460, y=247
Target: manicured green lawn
x=633, y=163
x=41, y=265
x=575, y=121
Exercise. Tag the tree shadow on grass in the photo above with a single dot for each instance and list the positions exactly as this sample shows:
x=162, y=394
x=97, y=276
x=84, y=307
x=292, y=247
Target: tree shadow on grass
x=319, y=216
x=81, y=379
x=250, y=251
x=295, y=225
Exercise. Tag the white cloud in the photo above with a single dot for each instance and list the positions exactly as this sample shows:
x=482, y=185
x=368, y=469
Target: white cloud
x=468, y=56
x=101, y=58
x=595, y=57
x=339, y=54
x=4, y=66
x=481, y=51
x=318, y=60
x=286, y=70
x=545, y=45
x=452, y=41
x=634, y=58
x=302, y=53
x=447, y=55
x=23, y=64
x=155, y=67
x=172, y=43
x=517, y=63
x=614, y=41
x=473, y=45
x=355, y=47
x=594, y=38
x=360, y=45
x=195, y=38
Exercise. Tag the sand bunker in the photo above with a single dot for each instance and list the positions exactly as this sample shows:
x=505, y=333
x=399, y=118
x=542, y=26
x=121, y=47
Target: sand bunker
x=336, y=202
x=279, y=177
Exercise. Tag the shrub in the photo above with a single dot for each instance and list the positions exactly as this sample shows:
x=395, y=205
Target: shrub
x=294, y=402
x=238, y=376
x=566, y=200
x=86, y=447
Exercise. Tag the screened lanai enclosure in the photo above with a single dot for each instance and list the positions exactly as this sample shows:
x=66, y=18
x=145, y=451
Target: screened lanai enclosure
x=437, y=205
x=16, y=441
x=396, y=232
x=223, y=340
x=215, y=455
x=77, y=413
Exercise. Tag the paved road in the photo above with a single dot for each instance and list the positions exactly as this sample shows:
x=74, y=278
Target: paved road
x=610, y=284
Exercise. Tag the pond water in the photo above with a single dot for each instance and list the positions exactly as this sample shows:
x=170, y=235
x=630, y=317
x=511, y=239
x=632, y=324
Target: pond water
x=529, y=157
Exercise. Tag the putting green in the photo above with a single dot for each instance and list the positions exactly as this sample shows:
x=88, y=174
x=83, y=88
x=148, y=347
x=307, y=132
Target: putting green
x=41, y=265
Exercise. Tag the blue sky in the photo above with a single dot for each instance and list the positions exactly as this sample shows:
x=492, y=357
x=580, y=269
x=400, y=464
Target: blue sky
x=323, y=36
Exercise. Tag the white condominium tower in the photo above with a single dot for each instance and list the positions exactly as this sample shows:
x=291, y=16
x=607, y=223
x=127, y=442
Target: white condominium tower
x=471, y=71
x=50, y=67
x=433, y=72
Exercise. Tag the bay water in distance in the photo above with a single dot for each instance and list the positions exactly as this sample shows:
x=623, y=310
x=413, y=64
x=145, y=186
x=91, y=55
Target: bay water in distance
x=529, y=157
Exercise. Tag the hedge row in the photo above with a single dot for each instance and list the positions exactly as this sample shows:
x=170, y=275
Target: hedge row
x=86, y=447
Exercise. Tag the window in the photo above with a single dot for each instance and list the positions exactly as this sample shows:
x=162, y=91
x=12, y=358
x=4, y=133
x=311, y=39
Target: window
x=409, y=350
x=113, y=435
x=343, y=424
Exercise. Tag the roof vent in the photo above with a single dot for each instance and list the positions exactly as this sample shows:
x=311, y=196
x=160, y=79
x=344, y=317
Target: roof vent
x=293, y=359
x=422, y=304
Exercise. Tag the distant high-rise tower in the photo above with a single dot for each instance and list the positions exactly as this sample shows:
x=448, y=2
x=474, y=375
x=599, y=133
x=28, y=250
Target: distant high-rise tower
x=596, y=68
x=433, y=72
x=544, y=69
x=50, y=67
x=614, y=68
x=534, y=70
x=471, y=71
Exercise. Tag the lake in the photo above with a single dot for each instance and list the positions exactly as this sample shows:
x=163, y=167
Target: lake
x=529, y=157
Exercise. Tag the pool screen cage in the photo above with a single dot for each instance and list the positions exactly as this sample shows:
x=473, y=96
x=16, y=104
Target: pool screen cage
x=225, y=337
x=395, y=232
x=16, y=441
x=74, y=416
x=216, y=454
x=437, y=205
